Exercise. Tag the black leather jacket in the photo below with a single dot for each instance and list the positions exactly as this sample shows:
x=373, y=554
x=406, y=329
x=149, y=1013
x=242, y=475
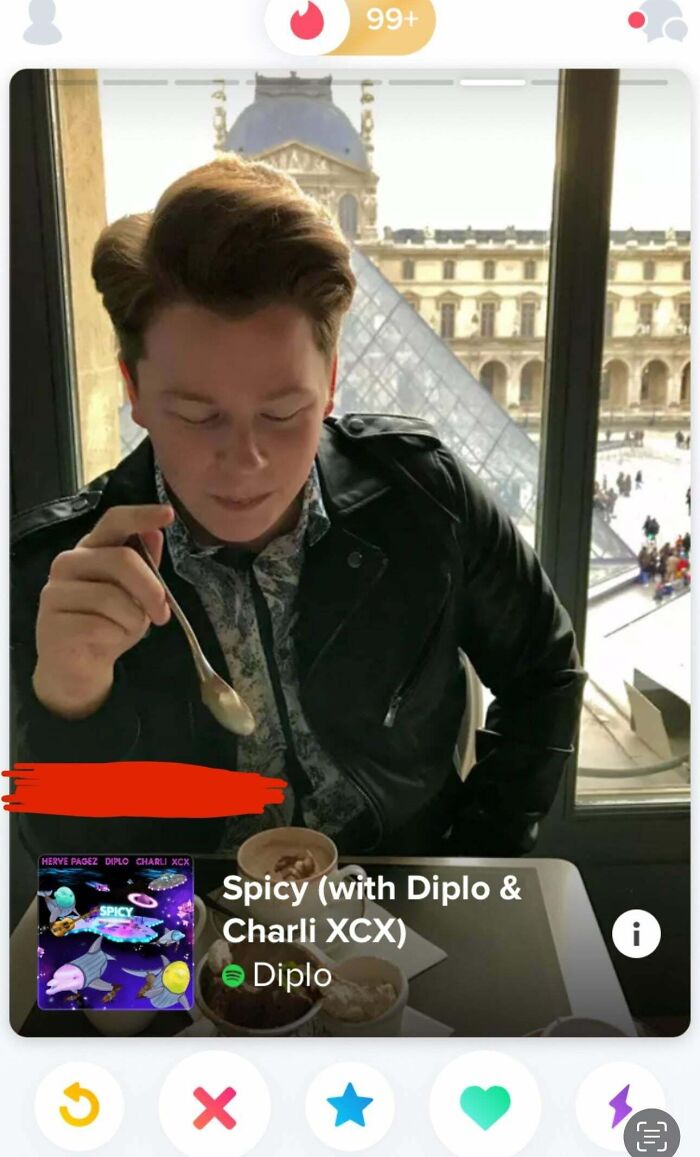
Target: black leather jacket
x=419, y=562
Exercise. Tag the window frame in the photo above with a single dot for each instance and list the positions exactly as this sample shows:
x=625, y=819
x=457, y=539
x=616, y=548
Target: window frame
x=492, y=307
x=41, y=348
x=449, y=309
x=528, y=308
x=578, y=278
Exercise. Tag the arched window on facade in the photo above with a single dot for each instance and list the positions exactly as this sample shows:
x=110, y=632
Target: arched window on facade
x=489, y=270
x=649, y=270
x=684, y=315
x=528, y=314
x=646, y=316
x=408, y=269
x=529, y=270
x=448, y=270
x=686, y=270
x=487, y=318
x=654, y=387
x=347, y=215
x=448, y=313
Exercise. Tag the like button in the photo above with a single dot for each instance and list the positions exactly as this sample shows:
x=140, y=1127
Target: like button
x=485, y=1106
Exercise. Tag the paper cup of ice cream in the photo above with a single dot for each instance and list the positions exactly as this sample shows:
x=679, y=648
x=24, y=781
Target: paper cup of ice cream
x=367, y=998
x=285, y=1002
x=305, y=856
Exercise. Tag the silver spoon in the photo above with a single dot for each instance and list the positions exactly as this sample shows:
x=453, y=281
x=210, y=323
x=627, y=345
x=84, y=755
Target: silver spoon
x=225, y=704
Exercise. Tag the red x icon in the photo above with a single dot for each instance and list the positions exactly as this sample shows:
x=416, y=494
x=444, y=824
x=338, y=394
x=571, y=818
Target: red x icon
x=214, y=1108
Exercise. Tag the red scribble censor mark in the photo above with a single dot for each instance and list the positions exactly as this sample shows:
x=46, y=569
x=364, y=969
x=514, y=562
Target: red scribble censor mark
x=153, y=788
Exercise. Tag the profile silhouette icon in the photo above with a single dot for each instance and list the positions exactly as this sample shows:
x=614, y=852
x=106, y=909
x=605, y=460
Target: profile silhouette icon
x=42, y=29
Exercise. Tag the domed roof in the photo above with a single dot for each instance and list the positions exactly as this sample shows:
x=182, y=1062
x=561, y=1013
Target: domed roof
x=293, y=108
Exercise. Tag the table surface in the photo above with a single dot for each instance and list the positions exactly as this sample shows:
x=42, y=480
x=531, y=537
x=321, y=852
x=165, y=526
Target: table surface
x=509, y=969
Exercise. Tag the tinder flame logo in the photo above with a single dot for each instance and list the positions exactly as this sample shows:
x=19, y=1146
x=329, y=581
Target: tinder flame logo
x=309, y=25
x=303, y=27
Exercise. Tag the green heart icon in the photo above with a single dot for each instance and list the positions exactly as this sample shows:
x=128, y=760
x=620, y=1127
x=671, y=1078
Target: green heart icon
x=485, y=1106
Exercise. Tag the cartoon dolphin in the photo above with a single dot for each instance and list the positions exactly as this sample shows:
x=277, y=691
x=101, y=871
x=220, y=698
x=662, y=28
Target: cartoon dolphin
x=171, y=936
x=167, y=987
x=84, y=972
x=61, y=904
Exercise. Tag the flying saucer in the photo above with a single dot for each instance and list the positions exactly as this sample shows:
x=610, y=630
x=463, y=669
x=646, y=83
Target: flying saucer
x=167, y=881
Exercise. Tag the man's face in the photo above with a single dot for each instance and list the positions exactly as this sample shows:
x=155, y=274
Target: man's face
x=234, y=410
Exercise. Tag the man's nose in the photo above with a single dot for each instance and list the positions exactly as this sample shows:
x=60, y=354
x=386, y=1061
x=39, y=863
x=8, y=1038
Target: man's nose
x=241, y=449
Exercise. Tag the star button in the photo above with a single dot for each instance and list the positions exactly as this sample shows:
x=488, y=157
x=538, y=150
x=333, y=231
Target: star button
x=349, y=1107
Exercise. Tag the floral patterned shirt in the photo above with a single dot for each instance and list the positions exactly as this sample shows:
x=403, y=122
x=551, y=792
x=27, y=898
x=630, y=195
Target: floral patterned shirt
x=227, y=598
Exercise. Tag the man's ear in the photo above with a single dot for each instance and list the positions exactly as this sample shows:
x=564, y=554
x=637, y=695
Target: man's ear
x=131, y=391
x=334, y=377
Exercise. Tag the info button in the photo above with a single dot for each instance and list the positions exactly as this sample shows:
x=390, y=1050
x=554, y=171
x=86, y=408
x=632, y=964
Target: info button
x=636, y=933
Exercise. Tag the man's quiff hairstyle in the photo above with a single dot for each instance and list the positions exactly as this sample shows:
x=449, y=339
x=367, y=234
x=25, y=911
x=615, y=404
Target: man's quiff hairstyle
x=232, y=236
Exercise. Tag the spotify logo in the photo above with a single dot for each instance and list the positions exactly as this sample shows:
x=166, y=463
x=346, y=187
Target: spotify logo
x=233, y=975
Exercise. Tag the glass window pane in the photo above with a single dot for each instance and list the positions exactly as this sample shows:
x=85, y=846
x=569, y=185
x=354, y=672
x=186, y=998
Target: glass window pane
x=471, y=365
x=637, y=714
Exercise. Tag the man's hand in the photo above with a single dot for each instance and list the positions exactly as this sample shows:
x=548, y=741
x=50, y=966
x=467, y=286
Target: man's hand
x=99, y=601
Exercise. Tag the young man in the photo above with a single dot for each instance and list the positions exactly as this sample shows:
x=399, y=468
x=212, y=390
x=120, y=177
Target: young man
x=333, y=570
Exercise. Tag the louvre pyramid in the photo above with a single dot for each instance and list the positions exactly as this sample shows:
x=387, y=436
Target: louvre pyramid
x=392, y=362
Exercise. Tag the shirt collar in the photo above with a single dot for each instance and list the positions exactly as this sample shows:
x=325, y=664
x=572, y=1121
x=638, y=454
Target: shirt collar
x=312, y=525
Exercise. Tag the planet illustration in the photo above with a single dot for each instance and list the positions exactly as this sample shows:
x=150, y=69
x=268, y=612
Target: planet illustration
x=141, y=900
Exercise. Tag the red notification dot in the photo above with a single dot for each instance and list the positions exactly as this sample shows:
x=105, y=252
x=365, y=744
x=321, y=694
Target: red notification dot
x=636, y=19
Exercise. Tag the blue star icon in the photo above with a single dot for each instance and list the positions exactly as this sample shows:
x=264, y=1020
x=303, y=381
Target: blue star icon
x=349, y=1107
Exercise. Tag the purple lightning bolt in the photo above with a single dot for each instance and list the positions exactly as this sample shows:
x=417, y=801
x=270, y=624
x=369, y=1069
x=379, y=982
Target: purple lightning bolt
x=619, y=1104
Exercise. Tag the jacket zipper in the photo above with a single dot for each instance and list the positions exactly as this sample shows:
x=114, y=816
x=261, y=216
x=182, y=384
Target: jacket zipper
x=407, y=684
x=300, y=781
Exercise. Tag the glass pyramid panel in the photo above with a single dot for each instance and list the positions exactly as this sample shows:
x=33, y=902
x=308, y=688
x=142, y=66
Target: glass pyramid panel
x=392, y=362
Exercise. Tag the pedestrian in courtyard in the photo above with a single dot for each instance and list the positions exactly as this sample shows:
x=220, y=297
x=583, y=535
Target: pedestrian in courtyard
x=687, y=499
x=686, y=543
x=638, y=480
x=628, y=485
